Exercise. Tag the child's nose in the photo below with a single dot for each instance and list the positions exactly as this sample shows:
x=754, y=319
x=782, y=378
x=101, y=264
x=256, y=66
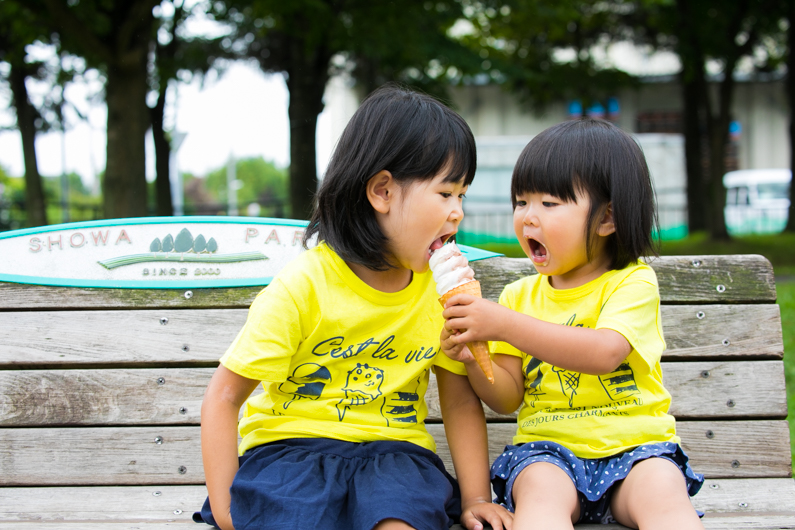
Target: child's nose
x=457, y=213
x=530, y=218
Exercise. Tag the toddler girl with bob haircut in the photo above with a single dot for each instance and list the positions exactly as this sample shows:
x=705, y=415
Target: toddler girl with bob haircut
x=343, y=341
x=578, y=345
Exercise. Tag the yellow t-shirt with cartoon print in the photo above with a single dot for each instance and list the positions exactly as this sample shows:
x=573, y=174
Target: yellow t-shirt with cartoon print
x=337, y=358
x=595, y=416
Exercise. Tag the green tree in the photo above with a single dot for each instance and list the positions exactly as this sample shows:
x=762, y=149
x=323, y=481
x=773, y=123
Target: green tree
x=19, y=27
x=724, y=35
x=311, y=40
x=262, y=182
x=522, y=42
x=114, y=37
x=175, y=55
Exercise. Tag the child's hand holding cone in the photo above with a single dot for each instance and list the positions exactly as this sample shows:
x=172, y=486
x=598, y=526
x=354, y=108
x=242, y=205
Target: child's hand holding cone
x=454, y=276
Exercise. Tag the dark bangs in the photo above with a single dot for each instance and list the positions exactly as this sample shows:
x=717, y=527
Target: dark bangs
x=601, y=161
x=415, y=137
x=411, y=135
x=560, y=161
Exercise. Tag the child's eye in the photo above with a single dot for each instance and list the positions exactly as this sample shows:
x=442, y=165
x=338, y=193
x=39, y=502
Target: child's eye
x=446, y=194
x=549, y=204
x=521, y=203
x=462, y=196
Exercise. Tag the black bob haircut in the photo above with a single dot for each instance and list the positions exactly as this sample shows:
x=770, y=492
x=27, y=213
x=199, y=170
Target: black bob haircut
x=601, y=161
x=409, y=134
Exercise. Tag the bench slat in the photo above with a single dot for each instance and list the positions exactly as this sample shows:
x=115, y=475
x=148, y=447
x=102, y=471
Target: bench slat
x=132, y=456
x=722, y=332
x=14, y=296
x=170, y=396
x=744, y=277
x=127, y=338
x=138, y=338
x=116, y=504
x=149, y=504
x=735, y=450
x=730, y=390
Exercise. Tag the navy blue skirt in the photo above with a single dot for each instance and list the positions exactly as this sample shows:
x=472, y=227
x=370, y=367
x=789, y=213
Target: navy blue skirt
x=328, y=484
x=593, y=478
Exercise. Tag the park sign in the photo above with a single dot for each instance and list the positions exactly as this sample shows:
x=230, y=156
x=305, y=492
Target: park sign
x=157, y=252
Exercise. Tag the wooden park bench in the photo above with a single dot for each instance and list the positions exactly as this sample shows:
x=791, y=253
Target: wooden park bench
x=101, y=388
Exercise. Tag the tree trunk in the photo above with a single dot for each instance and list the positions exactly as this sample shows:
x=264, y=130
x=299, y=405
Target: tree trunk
x=718, y=140
x=695, y=107
x=693, y=123
x=124, y=187
x=306, y=82
x=164, y=205
x=790, y=87
x=26, y=122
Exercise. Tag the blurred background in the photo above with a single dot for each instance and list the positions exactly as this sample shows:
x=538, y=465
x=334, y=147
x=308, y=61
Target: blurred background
x=127, y=108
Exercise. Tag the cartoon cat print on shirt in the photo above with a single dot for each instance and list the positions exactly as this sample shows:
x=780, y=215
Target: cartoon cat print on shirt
x=363, y=386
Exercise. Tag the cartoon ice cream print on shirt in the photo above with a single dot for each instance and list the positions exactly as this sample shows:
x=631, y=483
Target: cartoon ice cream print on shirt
x=307, y=382
x=536, y=382
x=401, y=405
x=569, y=383
x=620, y=383
x=363, y=386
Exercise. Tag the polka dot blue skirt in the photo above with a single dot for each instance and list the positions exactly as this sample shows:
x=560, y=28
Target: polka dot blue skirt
x=593, y=478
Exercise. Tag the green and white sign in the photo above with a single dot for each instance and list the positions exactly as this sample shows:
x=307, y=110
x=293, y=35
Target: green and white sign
x=157, y=252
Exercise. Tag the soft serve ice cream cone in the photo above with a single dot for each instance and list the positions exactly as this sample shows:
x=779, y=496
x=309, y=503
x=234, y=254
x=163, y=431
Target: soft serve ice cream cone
x=454, y=276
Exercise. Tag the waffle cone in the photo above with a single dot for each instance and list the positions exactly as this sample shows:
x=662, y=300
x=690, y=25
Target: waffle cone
x=479, y=349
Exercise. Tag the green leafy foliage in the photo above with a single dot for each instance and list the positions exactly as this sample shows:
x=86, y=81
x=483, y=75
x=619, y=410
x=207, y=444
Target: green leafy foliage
x=262, y=182
x=544, y=51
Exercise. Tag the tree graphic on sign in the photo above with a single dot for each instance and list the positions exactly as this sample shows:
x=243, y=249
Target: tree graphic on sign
x=185, y=248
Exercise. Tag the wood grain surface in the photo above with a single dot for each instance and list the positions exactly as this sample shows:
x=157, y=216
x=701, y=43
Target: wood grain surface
x=94, y=456
x=170, y=396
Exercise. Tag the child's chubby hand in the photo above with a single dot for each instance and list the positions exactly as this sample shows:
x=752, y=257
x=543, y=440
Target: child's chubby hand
x=477, y=319
x=453, y=349
x=496, y=515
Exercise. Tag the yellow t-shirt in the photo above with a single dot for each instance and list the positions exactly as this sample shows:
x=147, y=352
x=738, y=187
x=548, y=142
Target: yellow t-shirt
x=595, y=416
x=337, y=358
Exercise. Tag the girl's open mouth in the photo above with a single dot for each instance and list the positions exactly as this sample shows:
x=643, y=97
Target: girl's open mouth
x=538, y=252
x=439, y=243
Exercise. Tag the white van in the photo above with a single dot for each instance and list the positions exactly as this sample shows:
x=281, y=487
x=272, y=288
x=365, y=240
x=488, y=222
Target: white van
x=757, y=200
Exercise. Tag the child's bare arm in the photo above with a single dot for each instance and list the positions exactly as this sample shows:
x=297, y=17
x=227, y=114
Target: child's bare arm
x=223, y=398
x=465, y=428
x=505, y=395
x=590, y=351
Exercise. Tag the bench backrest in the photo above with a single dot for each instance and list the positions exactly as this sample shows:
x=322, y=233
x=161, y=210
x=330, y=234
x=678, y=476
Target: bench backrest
x=103, y=386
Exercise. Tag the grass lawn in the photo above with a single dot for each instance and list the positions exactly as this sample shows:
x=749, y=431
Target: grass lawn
x=779, y=249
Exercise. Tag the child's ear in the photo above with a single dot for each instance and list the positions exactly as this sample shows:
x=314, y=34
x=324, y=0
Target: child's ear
x=381, y=190
x=607, y=225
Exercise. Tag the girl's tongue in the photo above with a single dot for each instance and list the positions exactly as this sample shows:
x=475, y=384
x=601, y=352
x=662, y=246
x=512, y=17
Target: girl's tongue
x=538, y=252
x=436, y=245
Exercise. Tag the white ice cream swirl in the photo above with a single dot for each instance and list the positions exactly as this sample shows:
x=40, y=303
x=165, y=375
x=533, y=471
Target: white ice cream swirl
x=450, y=268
